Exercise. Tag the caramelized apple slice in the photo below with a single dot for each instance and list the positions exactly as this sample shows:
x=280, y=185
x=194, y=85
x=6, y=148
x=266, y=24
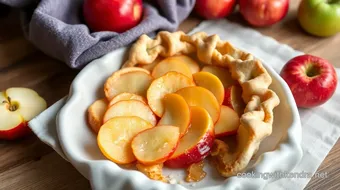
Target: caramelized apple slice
x=196, y=144
x=228, y=122
x=168, y=83
x=166, y=66
x=155, y=145
x=177, y=113
x=130, y=108
x=115, y=136
x=95, y=114
x=222, y=73
x=210, y=82
x=199, y=96
x=126, y=96
x=132, y=79
x=191, y=64
x=233, y=99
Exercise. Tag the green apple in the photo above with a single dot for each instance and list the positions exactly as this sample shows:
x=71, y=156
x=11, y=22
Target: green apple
x=320, y=17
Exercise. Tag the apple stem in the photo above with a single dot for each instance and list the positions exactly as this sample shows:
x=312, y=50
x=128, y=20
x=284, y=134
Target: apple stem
x=12, y=107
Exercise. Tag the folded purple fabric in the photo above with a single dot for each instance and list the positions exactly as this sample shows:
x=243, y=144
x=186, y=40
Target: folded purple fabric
x=57, y=27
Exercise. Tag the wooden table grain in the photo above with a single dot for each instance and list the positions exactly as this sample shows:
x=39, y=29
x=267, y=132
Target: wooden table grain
x=30, y=164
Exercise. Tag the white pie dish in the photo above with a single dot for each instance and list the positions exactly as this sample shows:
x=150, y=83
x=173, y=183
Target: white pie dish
x=281, y=151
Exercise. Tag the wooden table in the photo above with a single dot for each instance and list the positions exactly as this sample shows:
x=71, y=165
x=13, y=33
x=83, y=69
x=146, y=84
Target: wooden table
x=30, y=164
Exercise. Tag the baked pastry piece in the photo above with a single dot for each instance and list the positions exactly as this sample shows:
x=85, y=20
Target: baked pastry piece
x=256, y=121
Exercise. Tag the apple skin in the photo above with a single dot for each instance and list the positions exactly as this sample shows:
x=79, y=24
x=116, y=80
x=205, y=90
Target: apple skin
x=194, y=154
x=263, y=13
x=311, y=79
x=320, y=17
x=17, y=132
x=209, y=9
x=112, y=15
x=227, y=97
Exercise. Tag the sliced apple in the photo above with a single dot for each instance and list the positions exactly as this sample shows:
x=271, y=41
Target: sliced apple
x=130, y=108
x=199, y=96
x=95, y=114
x=115, y=136
x=177, y=113
x=233, y=99
x=155, y=145
x=196, y=144
x=17, y=107
x=210, y=82
x=168, y=83
x=222, y=73
x=191, y=64
x=126, y=96
x=152, y=65
x=166, y=66
x=132, y=79
x=228, y=122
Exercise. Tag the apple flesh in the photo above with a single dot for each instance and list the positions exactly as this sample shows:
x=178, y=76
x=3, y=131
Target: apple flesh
x=228, y=122
x=311, y=79
x=233, y=99
x=95, y=114
x=209, y=9
x=263, y=12
x=155, y=145
x=17, y=107
x=320, y=17
x=196, y=144
x=112, y=15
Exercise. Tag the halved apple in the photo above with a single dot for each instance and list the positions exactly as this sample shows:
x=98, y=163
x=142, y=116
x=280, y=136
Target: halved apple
x=177, y=113
x=17, y=107
x=210, y=82
x=196, y=144
x=165, y=66
x=233, y=99
x=221, y=73
x=168, y=83
x=199, y=96
x=130, y=108
x=155, y=145
x=115, y=136
x=95, y=114
x=132, y=79
x=126, y=96
x=191, y=64
x=228, y=122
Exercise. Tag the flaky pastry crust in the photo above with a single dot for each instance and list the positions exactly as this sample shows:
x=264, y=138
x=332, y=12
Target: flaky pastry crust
x=257, y=119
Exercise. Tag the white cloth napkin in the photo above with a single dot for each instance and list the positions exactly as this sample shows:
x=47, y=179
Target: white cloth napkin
x=320, y=126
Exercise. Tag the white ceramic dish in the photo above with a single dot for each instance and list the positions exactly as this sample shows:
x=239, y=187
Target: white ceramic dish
x=279, y=152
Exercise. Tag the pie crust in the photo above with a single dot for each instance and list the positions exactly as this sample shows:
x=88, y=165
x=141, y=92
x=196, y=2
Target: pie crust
x=256, y=121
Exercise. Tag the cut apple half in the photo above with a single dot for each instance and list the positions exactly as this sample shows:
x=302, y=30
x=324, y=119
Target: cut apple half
x=166, y=66
x=168, y=83
x=132, y=79
x=189, y=62
x=211, y=83
x=228, y=122
x=115, y=136
x=196, y=144
x=199, y=96
x=95, y=114
x=233, y=99
x=177, y=113
x=17, y=107
x=155, y=145
x=130, y=108
x=126, y=96
x=221, y=73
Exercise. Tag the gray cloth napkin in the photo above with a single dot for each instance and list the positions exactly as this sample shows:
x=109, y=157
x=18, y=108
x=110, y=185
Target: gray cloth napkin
x=57, y=27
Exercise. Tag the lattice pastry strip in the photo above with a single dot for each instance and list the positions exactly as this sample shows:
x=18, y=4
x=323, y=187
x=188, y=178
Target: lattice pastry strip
x=257, y=119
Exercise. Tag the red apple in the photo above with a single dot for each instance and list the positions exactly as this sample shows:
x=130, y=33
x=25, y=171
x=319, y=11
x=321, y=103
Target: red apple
x=209, y=9
x=112, y=15
x=263, y=12
x=311, y=79
x=17, y=107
